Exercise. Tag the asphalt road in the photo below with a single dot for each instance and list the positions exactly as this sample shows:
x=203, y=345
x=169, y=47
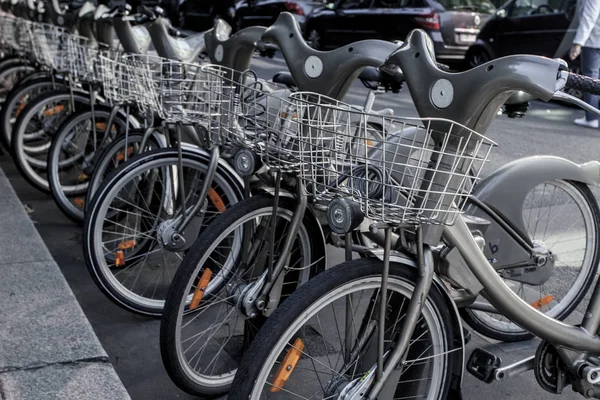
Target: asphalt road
x=132, y=341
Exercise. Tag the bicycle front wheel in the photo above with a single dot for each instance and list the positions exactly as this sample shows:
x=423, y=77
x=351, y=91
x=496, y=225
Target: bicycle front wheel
x=16, y=101
x=123, y=243
x=34, y=130
x=325, y=336
x=71, y=154
x=203, y=341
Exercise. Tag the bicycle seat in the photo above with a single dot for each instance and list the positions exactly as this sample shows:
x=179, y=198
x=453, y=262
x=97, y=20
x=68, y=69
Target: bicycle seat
x=100, y=11
x=284, y=78
x=133, y=39
x=473, y=97
x=88, y=9
x=234, y=51
x=183, y=49
x=104, y=30
x=369, y=74
x=327, y=72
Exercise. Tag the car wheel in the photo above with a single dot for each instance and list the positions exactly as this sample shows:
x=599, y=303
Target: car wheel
x=314, y=39
x=476, y=57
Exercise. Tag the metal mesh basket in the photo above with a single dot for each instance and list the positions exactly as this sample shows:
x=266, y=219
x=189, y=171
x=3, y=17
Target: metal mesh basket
x=49, y=47
x=8, y=24
x=243, y=109
x=399, y=170
x=118, y=78
x=81, y=57
x=148, y=69
x=17, y=34
x=24, y=36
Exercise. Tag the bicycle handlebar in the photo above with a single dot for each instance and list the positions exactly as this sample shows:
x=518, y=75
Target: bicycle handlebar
x=583, y=83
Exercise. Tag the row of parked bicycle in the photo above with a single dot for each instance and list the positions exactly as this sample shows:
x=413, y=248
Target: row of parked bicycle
x=208, y=196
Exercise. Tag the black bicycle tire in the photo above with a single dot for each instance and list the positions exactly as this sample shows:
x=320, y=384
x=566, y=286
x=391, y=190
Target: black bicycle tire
x=312, y=292
x=474, y=322
x=186, y=270
x=88, y=244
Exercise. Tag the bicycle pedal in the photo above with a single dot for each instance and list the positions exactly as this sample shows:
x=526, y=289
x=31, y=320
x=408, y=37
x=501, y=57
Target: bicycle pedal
x=482, y=364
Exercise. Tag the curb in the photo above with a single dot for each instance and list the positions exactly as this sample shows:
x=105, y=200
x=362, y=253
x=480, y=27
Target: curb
x=48, y=349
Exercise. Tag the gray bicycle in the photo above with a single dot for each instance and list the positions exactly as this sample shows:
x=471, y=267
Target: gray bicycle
x=388, y=326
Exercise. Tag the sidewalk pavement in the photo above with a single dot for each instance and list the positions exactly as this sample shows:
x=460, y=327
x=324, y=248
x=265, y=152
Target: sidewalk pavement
x=48, y=349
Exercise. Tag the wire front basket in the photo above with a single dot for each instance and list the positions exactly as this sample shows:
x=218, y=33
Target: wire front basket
x=118, y=78
x=399, y=170
x=147, y=70
x=49, y=46
x=243, y=109
x=81, y=57
x=172, y=88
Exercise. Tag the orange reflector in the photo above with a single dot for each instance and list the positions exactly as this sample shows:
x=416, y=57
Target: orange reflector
x=119, y=258
x=285, y=115
x=287, y=365
x=200, y=289
x=121, y=154
x=101, y=126
x=22, y=105
x=369, y=143
x=544, y=301
x=216, y=200
x=83, y=177
x=128, y=244
x=53, y=110
x=79, y=202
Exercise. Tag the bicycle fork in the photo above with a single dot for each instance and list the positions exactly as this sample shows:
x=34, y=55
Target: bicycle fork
x=383, y=377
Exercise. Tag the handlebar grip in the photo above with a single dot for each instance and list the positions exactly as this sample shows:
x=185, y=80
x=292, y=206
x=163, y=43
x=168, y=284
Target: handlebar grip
x=583, y=83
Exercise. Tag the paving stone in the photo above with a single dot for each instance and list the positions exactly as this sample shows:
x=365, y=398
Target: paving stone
x=19, y=240
x=80, y=381
x=42, y=323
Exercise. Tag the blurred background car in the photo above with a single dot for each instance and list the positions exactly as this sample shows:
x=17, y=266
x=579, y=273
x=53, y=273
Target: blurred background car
x=540, y=27
x=265, y=12
x=452, y=24
x=190, y=14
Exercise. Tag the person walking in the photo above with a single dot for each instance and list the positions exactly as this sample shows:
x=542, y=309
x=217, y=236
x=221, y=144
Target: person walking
x=587, y=44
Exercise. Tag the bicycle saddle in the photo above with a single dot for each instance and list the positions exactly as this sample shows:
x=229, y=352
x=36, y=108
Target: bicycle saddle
x=88, y=9
x=133, y=39
x=234, y=51
x=104, y=30
x=100, y=11
x=327, y=72
x=183, y=49
x=372, y=75
x=473, y=97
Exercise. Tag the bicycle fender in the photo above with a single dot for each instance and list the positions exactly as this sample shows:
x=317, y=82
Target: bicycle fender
x=505, y=191
x=405, y=259
x=223, y=167
x=310, y=213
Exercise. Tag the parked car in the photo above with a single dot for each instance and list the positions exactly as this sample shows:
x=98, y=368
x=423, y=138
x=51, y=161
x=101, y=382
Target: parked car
x=190, y=14
x=452, y=24
x=540, y=27
x=265, y=12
